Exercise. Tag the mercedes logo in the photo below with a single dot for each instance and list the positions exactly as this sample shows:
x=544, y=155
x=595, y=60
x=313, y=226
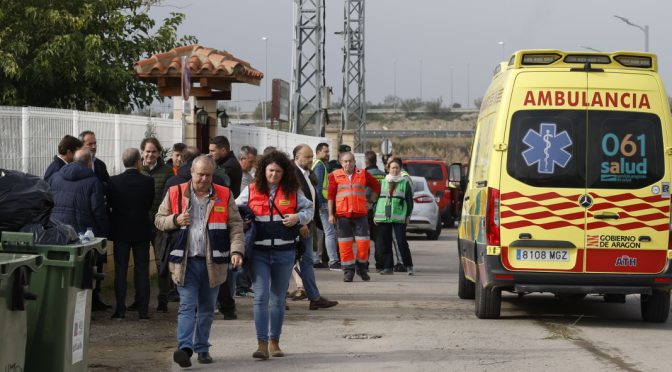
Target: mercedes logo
x=585, y=201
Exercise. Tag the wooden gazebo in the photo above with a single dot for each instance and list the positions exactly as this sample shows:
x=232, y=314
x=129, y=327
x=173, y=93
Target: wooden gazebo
x=211, y=74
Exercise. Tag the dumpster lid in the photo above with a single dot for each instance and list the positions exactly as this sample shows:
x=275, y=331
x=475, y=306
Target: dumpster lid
x=11, y=261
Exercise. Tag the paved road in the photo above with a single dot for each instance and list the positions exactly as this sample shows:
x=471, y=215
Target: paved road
x=417, y=323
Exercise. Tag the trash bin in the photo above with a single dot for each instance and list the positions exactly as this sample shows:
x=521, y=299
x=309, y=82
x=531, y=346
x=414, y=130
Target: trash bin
x=60, y=318
x=15, y=270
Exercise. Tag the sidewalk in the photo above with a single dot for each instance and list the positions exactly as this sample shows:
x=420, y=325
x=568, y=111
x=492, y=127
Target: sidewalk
x=377, y=325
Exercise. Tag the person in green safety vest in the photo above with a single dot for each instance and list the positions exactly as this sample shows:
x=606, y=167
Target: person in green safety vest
x=321, y=171
x=392, y=214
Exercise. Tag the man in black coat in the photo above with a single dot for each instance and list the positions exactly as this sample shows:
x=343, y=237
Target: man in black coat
x=88, y=139
x=79, y=201
x=129, y=198
x=66, y=153
x=303, y=161
x=227, y=164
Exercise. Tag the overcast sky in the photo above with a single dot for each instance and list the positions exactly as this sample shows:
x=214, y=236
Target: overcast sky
x=425, y=38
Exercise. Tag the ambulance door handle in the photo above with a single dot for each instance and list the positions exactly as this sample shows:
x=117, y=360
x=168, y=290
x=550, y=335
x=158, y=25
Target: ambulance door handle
x=607, y=216
x=645, y=239
x=525, y=236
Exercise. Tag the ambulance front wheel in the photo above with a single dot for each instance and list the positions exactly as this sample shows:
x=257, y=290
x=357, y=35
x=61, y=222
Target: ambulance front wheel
x=488, y=301
x=656, y=306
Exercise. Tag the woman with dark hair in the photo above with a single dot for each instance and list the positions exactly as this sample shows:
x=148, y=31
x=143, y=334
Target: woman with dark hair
x=280, y=208
x=392, y=213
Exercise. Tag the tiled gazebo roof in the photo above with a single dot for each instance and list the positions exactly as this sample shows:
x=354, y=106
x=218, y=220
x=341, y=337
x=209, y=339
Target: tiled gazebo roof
x=215, y=70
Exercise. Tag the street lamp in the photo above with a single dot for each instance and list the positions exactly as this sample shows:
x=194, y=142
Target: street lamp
x=201, y=115
x=265, y=39
x=502, y=44
x=644, y=29
x=451, y=86
x=223, y=118
x=421, y=80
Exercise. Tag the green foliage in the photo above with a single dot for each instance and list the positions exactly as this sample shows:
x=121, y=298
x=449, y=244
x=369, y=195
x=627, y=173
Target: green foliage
x=433, y=107
x=79, y=54
x=410, y=105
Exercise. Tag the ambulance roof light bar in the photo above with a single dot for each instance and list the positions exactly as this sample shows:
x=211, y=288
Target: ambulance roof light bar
x=540, y=59
x=634, y=61
x=588, y=58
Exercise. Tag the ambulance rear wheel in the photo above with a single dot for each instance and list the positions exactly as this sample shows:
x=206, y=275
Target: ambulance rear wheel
x=465, y=287
x=488, y=301
x=656, y=306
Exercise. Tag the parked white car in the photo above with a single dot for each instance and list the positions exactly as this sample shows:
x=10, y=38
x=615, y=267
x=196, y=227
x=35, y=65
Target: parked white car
x=425, y=217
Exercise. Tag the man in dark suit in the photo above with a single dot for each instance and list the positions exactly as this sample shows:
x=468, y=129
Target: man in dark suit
x=130, y=196
x=303, y=161
x=66, y=154
x=227, y=164
x=88, y=139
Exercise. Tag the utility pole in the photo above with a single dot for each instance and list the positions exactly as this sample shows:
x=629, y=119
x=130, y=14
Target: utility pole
x=353, y=104
x=306, y=114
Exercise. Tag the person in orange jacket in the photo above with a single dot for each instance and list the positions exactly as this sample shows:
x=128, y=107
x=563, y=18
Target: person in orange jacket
x=348, y=209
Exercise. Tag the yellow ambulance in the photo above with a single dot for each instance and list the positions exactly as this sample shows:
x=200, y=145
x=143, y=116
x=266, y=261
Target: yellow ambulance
x=569, y=182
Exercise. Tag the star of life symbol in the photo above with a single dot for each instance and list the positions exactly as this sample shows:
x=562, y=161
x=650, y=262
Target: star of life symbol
x=547, y=148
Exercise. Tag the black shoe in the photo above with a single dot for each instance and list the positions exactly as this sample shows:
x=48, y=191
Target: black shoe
x=183, y=357
x=322, y=303
x=399, y=268
x=348, y=275
x=386, y=272
x=336, y=266
x=98, y=305
x=173, y=296
x=162, y=307
x=320, y=265
x=144, y=317
x=132, y=307
x=229, y=314
x=118, y=316
x=204, y=358
x=365, y=275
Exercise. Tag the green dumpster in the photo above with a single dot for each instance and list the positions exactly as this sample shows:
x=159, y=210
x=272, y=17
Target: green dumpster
x=15, y=270
x=60, y=318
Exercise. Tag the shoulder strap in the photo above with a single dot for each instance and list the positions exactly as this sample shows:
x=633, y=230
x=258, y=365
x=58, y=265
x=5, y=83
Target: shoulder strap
x=179, y=199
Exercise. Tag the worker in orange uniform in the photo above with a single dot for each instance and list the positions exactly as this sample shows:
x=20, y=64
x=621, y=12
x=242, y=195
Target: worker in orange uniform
x=348, y=209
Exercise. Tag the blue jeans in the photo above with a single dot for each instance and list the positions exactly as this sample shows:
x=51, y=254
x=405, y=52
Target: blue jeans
x=307, y=271
x=272, y=270
x=329, y=235
x=197, y=307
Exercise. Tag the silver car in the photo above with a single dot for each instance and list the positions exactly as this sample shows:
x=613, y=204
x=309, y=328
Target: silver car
x=425, y=217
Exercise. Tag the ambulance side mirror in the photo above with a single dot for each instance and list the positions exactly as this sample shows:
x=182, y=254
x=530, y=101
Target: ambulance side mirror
x=455, y=177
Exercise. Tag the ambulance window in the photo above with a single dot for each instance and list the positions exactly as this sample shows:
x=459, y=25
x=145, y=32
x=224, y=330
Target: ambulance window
x=626, y=150
x=547, y=148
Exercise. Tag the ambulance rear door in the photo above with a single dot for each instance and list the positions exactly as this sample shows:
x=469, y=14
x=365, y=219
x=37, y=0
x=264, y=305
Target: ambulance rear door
x=627, y=175
x=542, y=221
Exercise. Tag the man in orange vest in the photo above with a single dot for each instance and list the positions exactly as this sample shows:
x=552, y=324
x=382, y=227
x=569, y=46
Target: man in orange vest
x=348, y=210
x=206, y=235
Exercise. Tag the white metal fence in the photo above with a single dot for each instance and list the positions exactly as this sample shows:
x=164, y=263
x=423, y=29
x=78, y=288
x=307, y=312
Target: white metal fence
x=29, y=136
x=240, y=135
